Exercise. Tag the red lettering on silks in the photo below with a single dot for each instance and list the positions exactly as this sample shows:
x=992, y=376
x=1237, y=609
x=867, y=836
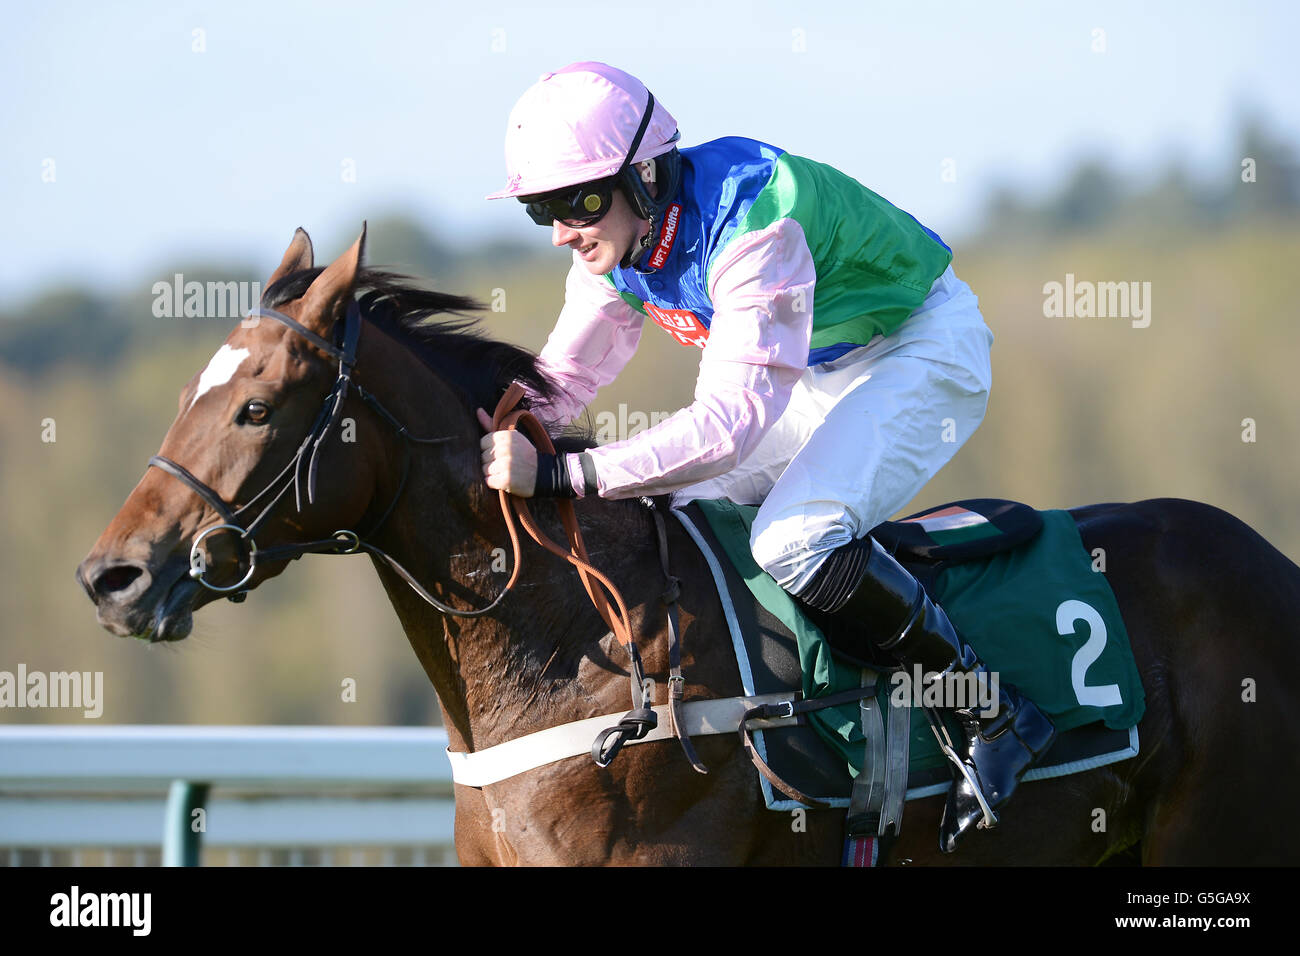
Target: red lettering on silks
x=681, y=324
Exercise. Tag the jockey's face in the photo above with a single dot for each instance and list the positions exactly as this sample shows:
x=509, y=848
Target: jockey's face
x=601, y=246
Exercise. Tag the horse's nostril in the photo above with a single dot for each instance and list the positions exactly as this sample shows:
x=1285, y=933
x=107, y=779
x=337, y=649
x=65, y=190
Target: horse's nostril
x=117, y=578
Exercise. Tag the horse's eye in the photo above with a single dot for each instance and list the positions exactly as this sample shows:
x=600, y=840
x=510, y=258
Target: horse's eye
x=256, y=412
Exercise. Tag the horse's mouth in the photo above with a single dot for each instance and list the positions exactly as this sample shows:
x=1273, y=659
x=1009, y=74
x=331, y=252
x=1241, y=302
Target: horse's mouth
x=173, y=618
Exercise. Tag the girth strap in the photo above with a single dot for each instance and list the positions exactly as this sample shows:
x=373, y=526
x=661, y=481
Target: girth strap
x=898, y=742
x=509, y=758
x=867, y=797
x=790, y=708
x=879, y=791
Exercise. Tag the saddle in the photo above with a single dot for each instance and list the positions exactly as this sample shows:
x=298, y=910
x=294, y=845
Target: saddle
x=863, y=752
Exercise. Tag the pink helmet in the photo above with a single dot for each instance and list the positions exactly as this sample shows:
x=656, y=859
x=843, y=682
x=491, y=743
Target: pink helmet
x=576, y=125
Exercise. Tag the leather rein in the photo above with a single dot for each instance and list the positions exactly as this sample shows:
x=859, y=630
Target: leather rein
x=302, y=470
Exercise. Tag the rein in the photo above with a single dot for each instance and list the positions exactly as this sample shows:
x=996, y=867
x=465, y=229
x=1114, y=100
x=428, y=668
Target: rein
x=634, y=725
x=641, y=719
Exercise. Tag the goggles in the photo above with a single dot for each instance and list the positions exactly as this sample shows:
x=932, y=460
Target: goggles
x=575, y=206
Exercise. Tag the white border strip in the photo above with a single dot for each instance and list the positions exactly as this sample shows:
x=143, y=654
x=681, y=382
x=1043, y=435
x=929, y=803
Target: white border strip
x=724, y=594
x=1047, y=773
x=742, y=655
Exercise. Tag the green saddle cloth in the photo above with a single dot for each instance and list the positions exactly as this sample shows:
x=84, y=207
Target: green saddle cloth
x=1038, y=615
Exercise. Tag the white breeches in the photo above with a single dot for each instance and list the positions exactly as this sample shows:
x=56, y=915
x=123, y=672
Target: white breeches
x=862, y=434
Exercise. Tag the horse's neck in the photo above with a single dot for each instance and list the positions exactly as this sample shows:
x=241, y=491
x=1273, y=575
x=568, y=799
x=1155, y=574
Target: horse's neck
x=543, y=656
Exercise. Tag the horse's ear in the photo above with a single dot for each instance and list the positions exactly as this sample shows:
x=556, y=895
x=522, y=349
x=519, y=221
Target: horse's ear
x=324, y=301
x=297, y=257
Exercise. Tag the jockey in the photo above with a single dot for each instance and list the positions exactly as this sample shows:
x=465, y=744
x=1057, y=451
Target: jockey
x=843, y=363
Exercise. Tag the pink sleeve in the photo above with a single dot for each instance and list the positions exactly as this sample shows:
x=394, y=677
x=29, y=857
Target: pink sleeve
x=762, y=291
x=596, y=334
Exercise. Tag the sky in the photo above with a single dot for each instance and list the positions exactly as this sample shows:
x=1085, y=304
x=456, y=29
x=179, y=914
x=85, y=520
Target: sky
x=135, y=135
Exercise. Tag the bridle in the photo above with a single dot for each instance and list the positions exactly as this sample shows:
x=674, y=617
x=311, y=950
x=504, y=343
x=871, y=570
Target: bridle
x=302, y=469
x=635, y=724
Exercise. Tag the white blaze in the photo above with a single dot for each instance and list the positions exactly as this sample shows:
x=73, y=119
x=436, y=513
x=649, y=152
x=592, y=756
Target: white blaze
x=219, y=371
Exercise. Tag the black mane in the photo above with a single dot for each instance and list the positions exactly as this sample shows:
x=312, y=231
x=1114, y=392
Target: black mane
x=457, y=350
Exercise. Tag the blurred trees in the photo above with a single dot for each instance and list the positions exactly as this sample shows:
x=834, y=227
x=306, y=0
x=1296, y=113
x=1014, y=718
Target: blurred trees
x=1261, y=181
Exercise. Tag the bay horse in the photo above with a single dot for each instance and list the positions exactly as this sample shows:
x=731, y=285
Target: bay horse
x=1211, y=608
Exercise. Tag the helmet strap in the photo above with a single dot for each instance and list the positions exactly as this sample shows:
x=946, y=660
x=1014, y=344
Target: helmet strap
x=627, y=176
x=640, y=132
x=640, y=247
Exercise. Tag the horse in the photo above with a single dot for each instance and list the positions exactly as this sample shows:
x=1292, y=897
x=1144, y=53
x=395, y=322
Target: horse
x=1209, y=604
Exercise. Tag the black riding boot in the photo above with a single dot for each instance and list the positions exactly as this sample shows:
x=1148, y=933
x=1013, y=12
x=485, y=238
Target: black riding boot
x=888, y=610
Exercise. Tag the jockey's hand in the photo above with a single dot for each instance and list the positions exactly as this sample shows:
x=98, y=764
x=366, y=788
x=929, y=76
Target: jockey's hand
x=509, y=459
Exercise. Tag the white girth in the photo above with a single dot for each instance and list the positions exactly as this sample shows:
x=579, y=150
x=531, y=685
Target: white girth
x=701, y=718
